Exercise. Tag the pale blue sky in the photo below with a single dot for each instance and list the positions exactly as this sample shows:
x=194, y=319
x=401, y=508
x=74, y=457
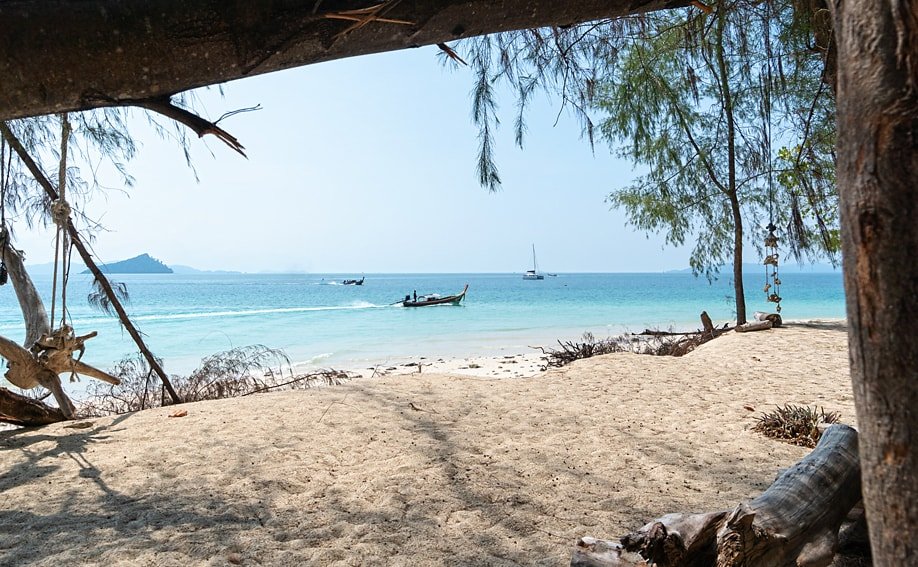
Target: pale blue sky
x=368, y=165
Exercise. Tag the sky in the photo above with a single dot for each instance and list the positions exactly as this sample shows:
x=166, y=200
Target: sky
x=368, y=165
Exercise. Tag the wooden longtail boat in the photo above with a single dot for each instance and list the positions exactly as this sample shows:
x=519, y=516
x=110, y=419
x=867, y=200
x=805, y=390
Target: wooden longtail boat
x=435, y=299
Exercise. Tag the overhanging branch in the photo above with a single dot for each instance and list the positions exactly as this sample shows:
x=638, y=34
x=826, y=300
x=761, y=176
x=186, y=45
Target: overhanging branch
x=133, y=51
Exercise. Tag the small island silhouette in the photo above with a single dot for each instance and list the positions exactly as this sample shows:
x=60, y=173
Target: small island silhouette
x=143, y=264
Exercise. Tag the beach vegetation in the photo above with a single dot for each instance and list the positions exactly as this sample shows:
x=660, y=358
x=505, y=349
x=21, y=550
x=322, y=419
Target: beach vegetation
x=798, y=425
x=237, y=372
x=876, y=55
x=729, y=116
x=656, y=343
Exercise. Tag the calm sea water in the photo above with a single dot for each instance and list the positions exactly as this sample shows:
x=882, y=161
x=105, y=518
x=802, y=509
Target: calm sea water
x=315, y=320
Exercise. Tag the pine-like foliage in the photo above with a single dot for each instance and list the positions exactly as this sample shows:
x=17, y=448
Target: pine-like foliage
x=727, y=113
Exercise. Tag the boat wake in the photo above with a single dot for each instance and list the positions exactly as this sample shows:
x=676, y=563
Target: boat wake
x=248, y=312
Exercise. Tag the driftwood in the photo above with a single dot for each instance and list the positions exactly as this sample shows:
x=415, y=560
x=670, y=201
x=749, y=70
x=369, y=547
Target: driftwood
x=707, y=328
x=706, y=323
x=46, y=354
x=753, y=326
x=795, y=522
x=22, y=410
x=775, y=318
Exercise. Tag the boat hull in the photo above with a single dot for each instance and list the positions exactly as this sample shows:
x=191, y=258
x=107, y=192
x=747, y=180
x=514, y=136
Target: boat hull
x=450, y=299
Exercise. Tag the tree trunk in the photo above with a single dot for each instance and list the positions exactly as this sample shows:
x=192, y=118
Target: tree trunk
x=877, y=168
x=727, y=102
x=796, y=522
x=63, y=56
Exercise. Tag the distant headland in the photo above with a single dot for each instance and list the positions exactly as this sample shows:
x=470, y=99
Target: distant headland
x=143, y=264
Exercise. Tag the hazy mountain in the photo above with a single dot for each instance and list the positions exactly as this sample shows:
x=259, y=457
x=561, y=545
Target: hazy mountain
x=143, y=264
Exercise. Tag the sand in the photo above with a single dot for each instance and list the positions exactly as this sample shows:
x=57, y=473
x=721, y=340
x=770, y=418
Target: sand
x=418, y=469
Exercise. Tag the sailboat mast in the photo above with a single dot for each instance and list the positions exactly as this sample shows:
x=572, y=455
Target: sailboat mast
x=535, y=266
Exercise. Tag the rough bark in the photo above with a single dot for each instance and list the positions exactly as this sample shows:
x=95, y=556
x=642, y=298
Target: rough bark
x=877, y=167
x=58, y=56
x=796, y=522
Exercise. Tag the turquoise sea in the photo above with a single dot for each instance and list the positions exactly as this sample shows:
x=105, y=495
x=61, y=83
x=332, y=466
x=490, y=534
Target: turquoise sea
x=316, y=320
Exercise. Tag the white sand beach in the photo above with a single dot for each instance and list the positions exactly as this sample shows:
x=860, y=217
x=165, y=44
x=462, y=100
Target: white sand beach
x=429, y=468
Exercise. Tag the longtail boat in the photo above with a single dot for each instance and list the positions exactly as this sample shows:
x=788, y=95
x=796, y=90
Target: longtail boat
x=434, y=299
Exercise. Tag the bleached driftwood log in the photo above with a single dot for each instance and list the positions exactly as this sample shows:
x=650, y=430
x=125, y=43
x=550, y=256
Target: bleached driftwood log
x=775, y=318
x=45, y=354
x=795, y=522
x=753, y=326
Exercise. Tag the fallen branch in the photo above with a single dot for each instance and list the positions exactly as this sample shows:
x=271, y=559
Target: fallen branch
x=25, y=411
x=571, y=351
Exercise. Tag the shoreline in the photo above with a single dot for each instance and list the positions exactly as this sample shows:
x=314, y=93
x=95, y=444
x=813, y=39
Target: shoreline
x=513, y=363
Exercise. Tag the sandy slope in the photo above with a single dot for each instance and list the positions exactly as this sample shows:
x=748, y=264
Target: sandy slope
x=418, y=469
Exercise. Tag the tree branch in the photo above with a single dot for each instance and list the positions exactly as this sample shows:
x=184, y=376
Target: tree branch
x=200, y=126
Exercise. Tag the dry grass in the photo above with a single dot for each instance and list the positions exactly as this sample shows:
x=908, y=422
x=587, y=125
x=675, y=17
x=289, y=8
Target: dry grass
x=238, y=372
x=794, y=424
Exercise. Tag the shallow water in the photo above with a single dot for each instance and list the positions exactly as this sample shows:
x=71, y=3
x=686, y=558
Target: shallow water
x=316, y=320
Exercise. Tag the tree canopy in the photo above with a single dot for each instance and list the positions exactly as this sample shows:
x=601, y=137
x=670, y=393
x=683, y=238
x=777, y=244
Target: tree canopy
x=727, y=108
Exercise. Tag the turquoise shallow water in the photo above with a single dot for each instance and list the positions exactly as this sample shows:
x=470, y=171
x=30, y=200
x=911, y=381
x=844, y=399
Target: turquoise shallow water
x=315, y=320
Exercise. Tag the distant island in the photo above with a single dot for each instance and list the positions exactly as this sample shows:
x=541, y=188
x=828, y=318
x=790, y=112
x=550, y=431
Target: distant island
x=143, y=264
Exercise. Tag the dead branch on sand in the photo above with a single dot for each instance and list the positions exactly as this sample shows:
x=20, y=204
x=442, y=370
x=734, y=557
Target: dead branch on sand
x=654, y=342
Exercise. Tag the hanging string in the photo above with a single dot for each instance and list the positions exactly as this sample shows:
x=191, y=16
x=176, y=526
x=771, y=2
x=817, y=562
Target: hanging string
x=60, y=214
x=772, y=281
x=4, y=235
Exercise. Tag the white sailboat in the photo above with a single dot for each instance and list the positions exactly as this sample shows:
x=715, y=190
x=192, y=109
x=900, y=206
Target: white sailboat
x=533, y=274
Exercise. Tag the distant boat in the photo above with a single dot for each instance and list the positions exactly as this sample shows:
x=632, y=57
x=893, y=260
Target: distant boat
x=353, y=282
x=434, y=299
x=533, y=274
